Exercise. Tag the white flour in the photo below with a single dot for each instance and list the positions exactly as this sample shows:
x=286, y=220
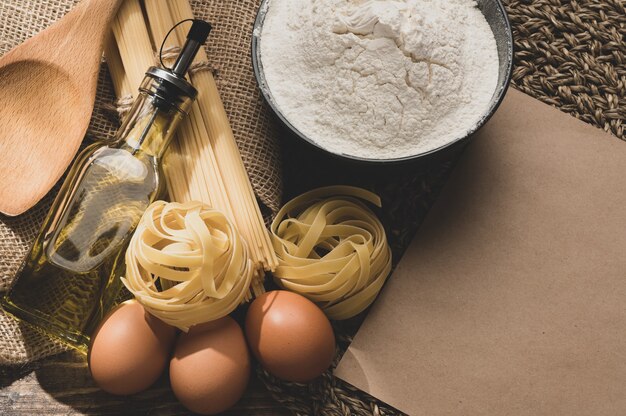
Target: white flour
x=381, y=78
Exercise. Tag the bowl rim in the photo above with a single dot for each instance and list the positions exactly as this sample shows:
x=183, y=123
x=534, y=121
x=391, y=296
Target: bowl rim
x=261, y=82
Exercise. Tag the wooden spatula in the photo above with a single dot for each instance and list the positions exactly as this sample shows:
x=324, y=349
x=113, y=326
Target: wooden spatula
x=47, y=93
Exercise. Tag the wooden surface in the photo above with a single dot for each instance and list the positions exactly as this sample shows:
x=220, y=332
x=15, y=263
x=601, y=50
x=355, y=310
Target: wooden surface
x=61, y=385
x=47, y=92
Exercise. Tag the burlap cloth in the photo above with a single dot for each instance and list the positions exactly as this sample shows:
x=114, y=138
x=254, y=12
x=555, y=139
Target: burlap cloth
x=569, y=54
x=229, y=51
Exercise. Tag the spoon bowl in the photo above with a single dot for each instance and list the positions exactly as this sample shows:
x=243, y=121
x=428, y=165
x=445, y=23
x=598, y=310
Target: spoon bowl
x=47, y=91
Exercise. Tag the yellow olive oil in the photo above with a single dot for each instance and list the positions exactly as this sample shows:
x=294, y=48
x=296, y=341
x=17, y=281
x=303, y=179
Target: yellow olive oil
x=70, y=278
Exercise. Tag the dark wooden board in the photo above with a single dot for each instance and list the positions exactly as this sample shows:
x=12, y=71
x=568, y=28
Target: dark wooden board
x=61, y=385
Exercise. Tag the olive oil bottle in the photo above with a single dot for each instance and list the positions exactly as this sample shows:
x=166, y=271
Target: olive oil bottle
x=70, y=279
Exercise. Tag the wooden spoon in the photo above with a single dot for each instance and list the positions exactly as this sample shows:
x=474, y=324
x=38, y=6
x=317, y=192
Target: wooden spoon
x=47, y=93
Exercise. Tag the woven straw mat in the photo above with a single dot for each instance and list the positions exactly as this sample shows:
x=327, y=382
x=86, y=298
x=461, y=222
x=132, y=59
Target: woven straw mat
x=570, y=54
x=229, y=51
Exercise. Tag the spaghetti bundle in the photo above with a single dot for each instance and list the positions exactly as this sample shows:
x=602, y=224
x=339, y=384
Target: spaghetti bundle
x=203, y=163
x=332, y=249
x=197, y=255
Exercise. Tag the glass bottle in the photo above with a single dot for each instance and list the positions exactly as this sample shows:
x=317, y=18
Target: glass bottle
x=70, y=278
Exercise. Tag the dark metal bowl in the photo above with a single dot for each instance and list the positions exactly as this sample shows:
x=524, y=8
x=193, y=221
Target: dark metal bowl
x=497, y=19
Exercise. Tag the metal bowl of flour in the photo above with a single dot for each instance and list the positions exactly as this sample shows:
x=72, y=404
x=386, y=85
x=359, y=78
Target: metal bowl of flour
x=496, y=17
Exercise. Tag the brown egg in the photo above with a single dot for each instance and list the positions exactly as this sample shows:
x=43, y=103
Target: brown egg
x=130, y=349
x=210, y=368
x=290, y=336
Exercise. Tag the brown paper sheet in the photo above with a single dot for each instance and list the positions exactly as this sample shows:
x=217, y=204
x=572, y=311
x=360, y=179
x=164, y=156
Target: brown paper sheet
x=512, y=298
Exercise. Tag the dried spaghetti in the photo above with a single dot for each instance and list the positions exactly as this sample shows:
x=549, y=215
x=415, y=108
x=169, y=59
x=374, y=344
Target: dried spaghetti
x=203, y=163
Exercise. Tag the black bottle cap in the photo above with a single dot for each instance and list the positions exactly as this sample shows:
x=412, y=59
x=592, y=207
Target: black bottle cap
x=172, y=83
x=196, y=37
x=199, y=31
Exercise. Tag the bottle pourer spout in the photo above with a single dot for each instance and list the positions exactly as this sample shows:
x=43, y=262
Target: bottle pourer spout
x=196, y=37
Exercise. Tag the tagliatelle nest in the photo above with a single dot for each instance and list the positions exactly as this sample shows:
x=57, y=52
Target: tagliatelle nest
x=196, y=256
x=332, y=249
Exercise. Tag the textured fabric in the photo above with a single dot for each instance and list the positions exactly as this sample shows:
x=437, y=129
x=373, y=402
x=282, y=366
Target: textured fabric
x=229, y=51
x=570, y=54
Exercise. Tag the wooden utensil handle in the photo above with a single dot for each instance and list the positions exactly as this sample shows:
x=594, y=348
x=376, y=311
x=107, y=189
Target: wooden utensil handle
x=95, y=13
x=82, y=34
